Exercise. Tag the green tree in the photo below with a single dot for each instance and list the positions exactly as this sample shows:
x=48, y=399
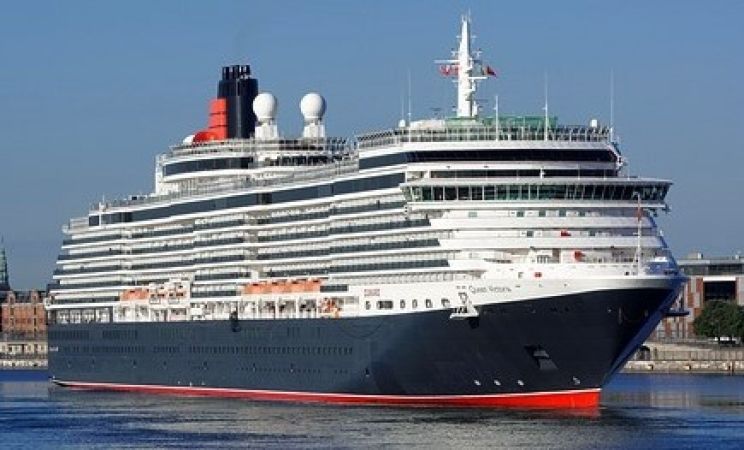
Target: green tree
x=720, y=319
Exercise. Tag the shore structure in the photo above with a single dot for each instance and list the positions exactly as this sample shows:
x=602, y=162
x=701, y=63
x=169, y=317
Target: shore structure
x=674, y=347
x=687, y=357
x=709, y=279
x=23, y=339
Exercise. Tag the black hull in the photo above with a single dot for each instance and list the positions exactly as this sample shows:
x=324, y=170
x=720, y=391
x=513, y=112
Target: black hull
x=560, y=344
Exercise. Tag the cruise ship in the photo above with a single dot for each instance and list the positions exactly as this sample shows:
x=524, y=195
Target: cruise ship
x=477, y=260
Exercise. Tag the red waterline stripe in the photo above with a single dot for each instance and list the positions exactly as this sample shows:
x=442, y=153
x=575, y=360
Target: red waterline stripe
x=586, y=398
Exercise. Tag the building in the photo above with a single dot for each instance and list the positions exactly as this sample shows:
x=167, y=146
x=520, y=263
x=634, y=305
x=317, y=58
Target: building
x=22, y=314
x=716, y=278
x=4, y=283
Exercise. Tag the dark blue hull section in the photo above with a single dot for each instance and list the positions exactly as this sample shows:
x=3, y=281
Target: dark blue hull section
x=548, y=345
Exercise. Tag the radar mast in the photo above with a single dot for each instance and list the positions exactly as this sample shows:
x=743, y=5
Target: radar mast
x=467, y=69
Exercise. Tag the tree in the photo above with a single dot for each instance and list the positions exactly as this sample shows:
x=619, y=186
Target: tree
x=720, y=319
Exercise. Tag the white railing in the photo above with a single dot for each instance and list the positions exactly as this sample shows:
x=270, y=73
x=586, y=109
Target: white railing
x=577, y=133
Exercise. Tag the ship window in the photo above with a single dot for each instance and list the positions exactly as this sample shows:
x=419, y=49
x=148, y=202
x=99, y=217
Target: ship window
x=445, y=303
x=416, y=191
x=428, y=303
x=414, y=303
x=489, y=192
x=450, y=193
x=426, y=193
x=463, y=193
x=502, y=192
x=384, y=304
x=367, y=305
x=402, y=304
x=477, y=192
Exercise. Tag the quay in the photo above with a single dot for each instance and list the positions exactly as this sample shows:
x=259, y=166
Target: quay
x=694, y=357
x=23, y=353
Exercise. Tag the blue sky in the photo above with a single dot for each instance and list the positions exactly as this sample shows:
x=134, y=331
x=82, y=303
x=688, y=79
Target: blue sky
x=91, y=91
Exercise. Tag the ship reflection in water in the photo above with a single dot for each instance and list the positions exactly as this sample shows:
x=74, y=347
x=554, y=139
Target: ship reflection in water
x=676, y=411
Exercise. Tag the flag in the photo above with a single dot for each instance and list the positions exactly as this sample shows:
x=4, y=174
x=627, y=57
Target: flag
x=448, y=70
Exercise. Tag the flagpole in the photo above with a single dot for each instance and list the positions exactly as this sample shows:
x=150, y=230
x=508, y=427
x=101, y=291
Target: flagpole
x=496, y=110
x=545, y=131
x=639, y=217
x=612, y=106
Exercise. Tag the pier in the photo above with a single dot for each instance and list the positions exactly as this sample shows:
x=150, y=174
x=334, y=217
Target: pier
x=23, y=353
x=693, y=357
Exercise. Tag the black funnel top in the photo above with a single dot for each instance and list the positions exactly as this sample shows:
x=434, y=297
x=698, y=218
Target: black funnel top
x=238, y=89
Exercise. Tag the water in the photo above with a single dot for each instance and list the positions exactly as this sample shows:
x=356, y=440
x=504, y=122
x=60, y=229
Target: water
x=638, y=411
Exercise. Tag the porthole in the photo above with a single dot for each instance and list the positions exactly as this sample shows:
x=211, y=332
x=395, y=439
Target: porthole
x=428, y=303
x=414, y=303
x=367, y=305
x=402, y=304
x=445, y=303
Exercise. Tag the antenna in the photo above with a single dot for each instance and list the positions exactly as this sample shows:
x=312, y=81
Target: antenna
x=496, y=114
x=545, y=125
x=409, y=96
x=612, y=106
x=402, y=107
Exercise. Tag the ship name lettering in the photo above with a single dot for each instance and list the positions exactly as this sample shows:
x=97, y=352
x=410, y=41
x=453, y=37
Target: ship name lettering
x=488, y=289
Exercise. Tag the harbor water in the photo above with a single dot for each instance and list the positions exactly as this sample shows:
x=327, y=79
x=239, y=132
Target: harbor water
x=638, y=411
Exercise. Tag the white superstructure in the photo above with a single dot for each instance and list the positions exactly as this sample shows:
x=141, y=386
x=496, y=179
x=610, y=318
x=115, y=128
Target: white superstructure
x=437, y=214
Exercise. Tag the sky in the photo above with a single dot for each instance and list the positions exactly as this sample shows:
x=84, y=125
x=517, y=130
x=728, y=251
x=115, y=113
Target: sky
x=91, y=91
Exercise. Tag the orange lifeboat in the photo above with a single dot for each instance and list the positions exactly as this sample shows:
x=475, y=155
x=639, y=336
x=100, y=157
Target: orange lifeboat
x=313, y=285
x=296, y=286
x=134, y=294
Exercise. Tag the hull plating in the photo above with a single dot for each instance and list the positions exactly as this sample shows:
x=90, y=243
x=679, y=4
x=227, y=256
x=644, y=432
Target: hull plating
x=551, y=352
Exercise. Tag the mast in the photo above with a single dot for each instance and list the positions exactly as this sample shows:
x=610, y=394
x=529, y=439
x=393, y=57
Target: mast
x=466, y=105
x=468, y=70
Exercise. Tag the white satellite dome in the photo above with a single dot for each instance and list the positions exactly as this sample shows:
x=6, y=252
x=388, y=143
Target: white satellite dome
x=313, y=106
x=188, y=139
x=264, y=105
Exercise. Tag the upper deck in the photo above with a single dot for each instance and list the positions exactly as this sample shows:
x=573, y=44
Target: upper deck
x=331, y=145
x=512, y=128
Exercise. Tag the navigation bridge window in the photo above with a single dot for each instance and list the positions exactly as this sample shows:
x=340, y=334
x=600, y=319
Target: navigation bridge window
x=538, y=191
